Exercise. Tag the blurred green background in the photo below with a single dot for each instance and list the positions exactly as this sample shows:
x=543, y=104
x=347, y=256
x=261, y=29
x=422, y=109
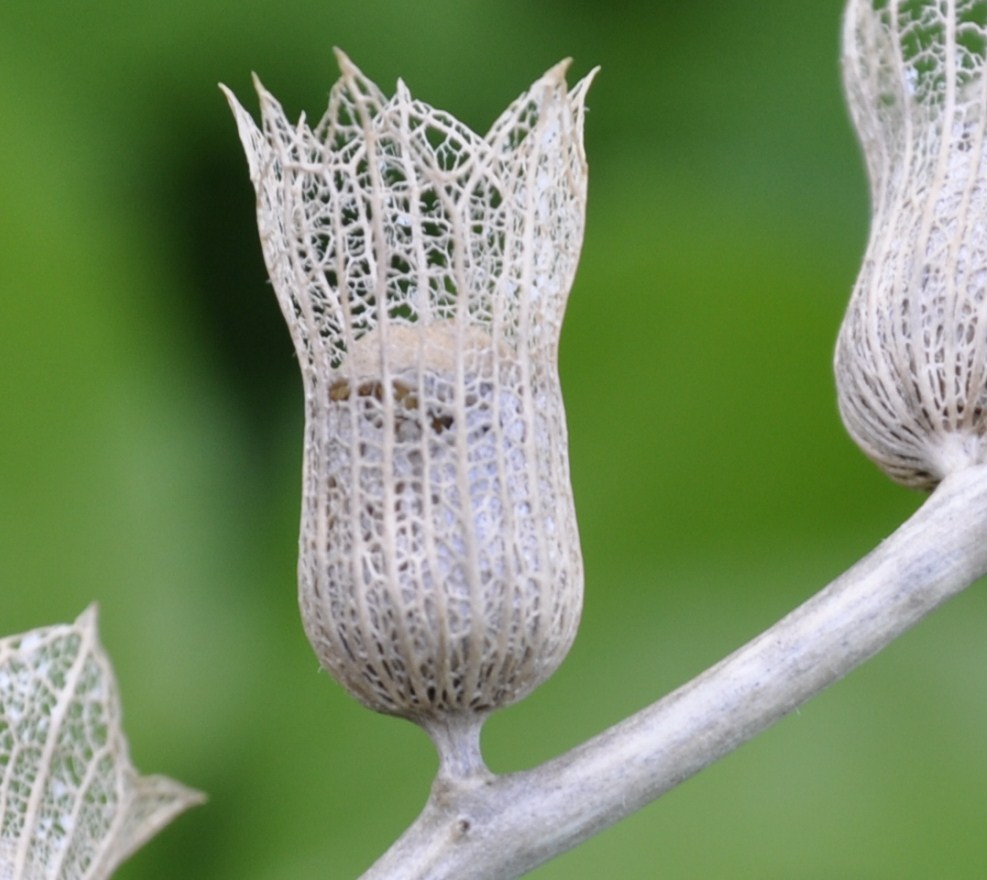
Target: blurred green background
x=151, y=428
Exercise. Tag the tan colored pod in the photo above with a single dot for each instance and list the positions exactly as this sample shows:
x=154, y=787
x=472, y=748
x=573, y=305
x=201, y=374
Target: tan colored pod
x=911, y=360
x=423, y=271
x=438, y=572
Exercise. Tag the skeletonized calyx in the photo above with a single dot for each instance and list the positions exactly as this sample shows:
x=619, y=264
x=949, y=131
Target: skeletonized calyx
x=72, y=807
x=911, y=361
x=423, y=271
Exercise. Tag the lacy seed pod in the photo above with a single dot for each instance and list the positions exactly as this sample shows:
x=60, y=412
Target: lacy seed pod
x=911, y=360
x=72, y=805
x=423, y=271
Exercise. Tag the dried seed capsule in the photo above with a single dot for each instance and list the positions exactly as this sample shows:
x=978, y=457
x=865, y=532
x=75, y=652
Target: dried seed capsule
x=423, y=271
x=437, y=575
x=911, y=361
x=72, y=805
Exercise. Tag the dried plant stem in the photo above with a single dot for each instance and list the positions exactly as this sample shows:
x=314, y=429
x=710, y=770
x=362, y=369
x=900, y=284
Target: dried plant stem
x=487, y=828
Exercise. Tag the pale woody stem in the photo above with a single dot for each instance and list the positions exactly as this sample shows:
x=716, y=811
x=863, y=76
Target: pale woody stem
x=457, y=741
x=503, y=827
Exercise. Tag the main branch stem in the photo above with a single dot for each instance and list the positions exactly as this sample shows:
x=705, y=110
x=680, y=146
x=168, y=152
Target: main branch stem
x=504, y=826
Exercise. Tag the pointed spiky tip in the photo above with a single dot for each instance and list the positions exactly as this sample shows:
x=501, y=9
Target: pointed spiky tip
x=346, y=66
x=88, y=620
x=228, y=94
x=583, y=85
x=556, y=73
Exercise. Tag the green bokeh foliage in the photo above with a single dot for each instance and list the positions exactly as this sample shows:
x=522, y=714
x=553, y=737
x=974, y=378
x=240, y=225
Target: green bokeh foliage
x=150, y=427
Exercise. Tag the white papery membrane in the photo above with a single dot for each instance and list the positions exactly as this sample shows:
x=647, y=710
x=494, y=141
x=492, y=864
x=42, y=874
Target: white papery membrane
x=72, y=806
x=911, y=360
x=423, y=271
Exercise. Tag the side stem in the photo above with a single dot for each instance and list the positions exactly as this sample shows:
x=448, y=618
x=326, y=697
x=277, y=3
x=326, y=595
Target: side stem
x=502, y=827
